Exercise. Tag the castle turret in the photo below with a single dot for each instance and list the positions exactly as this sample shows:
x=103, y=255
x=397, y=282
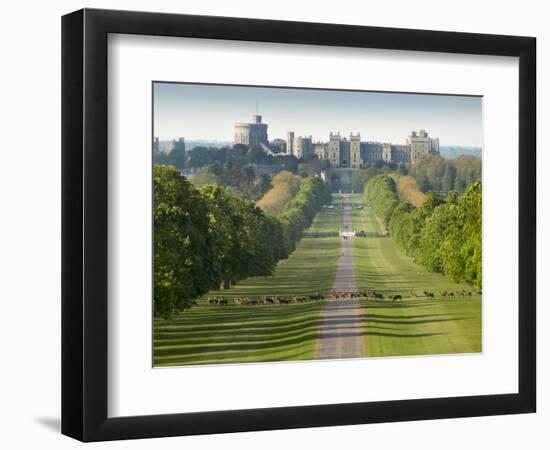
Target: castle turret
x=355, y=151
x=251, y=134
x=334, y=149
x=290, y=143
x=421, y=144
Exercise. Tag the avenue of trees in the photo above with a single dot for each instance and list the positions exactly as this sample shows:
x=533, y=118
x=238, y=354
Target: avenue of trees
x=442, y=235
x=207, y=235
x=432, y=173
x=435, y=173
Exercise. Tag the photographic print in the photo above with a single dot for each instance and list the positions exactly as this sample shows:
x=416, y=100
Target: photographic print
x=294, y=224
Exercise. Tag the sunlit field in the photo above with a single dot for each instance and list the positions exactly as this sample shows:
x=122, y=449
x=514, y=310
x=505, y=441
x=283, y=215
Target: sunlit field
x=213, y=334
x=414, y=325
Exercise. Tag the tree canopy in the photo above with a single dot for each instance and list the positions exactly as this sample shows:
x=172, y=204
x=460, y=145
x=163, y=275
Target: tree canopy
x=208, y=235
x=443, y=235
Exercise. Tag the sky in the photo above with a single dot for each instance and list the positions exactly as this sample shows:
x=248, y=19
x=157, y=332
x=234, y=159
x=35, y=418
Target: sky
x=209, y=112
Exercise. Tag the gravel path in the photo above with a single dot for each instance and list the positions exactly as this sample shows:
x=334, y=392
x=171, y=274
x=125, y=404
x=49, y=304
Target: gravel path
x=341, y=326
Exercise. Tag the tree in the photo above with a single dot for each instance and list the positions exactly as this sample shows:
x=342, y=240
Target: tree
x=403, y=169
x=264, y=183
x=256, y=155
x=360, y=178
x=434, y=232
x=424, y=184
x=449, y=178
x=205, y=156
x=445, y=236
x=182, y=249
x=381, y=194
x=207, y=235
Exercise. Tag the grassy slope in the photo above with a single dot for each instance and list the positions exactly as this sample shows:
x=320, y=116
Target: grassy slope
x=233, y=334
x=415, y=326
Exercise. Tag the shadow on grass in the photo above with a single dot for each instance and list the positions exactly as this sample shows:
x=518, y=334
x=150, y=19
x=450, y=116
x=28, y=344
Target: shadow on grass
x=256, y=334
x=231, y=346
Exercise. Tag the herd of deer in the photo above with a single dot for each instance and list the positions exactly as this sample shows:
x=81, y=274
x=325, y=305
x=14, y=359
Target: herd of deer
x=265, y=300
x=337, y=295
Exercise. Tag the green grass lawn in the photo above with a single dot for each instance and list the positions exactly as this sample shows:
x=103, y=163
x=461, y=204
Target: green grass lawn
x=231, y=334
x=236, y=334
x=209, y=334
x=415, y=326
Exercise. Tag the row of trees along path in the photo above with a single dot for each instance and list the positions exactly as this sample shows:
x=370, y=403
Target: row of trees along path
x=341, y=327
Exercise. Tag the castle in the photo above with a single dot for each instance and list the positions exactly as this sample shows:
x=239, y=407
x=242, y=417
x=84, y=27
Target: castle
x=251, y=134
x=339, y=151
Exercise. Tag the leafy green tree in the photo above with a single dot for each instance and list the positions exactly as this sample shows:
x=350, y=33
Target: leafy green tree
x=182, y=249
x=452, y=197
x=381, y=194
x=445, y=236
x=437, y=227
x=361, y=177
x=470, y=207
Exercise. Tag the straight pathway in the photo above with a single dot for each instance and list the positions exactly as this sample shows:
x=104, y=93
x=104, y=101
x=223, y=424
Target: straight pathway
x=341, y=327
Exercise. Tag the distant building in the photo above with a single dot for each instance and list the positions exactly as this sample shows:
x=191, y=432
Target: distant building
x=321, y=150
x=354, y=154
x=156, y=145
x=168, y=146
x=302, y=146
x=290, y=143
x=251, y=134
x=355, y=160
x=178, y=144
x=420, y=144
x=339, y=151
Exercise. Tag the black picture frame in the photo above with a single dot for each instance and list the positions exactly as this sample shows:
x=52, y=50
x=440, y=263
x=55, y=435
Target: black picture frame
x=84, y=224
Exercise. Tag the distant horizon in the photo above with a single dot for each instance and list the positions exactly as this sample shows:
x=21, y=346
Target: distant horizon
x=212, y=110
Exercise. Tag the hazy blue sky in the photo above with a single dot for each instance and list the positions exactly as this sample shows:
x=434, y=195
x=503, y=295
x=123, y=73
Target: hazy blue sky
x=208, y=112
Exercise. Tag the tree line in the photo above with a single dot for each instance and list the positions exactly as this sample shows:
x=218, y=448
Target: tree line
x=360, y=178
x=432, y=173
x=202, y=157
x=207, y=235
x=442, y=235
x=240, y=178
x=435, y=173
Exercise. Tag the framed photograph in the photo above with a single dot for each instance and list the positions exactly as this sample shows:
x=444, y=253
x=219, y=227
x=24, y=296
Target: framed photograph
x=273, y=224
